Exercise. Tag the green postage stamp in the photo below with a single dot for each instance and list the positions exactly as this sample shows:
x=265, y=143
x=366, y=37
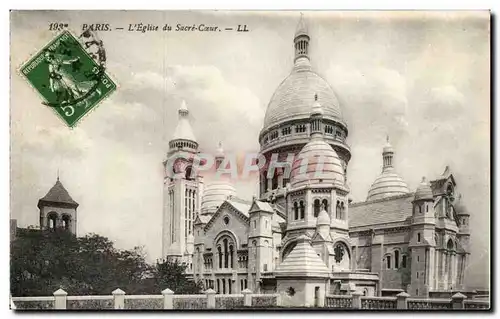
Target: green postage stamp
x=67, y=77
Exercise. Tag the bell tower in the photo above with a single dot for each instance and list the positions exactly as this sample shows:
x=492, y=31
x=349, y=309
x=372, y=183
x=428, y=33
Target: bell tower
x=58, y=210
x=181, y=191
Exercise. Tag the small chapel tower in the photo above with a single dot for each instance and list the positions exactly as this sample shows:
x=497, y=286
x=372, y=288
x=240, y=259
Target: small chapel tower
x=181, y=195
x=58, y=209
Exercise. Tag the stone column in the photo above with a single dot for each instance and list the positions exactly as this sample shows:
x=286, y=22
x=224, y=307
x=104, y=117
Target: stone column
x=444, y=272
x=430, y=278
x=168, y=299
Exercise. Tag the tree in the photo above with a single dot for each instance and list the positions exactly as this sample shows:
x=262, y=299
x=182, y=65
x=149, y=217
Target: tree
x=43, y=261
x=171, y=275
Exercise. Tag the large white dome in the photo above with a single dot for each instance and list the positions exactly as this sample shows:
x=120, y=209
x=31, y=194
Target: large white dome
x=294, y=97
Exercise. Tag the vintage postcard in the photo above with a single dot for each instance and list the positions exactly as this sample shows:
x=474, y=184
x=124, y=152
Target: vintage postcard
x=250, y=160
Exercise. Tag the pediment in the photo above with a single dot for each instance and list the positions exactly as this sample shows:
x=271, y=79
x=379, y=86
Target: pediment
x=226, y=209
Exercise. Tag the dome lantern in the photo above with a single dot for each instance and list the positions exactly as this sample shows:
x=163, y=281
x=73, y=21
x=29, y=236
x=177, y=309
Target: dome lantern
x=301, y=40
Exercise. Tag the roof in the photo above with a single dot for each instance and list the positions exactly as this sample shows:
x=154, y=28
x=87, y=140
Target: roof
x=387, y=184
x=58, y=195
x=301, y=27
x=294, y=98
x=264, y=206
x=387, y=210
x=302, y=261
x=241, y=205
x=424, y=191
x=183, y=131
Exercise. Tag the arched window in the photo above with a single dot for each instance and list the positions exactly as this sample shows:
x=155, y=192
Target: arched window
x=219, y=251
x=325, y=204
x=226, y=255
x=337, y=210
x=388, y=260
x=420, y=209
x=223, y=286
x=52, y=220
x=403, y=261
x=418, y=237
x=295, y=211
x=450, y=245
x=317, y=207
x=302, y=209
x=426, y=207
x=275, y=180
x=396, y=259
x=231, y=253
x=189, y=171
x=66, y=222
x=342, y=211
x=264, y=182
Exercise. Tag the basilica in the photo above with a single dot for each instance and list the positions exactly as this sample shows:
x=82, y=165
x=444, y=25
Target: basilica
x=302, y=235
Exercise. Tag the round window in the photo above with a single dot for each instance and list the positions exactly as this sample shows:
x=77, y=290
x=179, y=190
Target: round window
x=226, y=220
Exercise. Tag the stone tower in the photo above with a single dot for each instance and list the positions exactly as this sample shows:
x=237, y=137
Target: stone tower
x=181, y=191
x=58, y=209
x=422, y=241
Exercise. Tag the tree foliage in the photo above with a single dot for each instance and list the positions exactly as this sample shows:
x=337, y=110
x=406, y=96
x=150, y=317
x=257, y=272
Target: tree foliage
x=44, y=261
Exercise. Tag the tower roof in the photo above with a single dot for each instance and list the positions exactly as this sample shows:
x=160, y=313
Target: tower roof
x=323, y=218
x=424, y=191
x=301, y=27
x=57, y=195
x=183, y=130
x=303, y=261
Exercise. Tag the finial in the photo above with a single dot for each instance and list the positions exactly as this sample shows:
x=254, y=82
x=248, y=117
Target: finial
x=315, y=96
x=423, y=179
x=387, y=138
x=58, y=174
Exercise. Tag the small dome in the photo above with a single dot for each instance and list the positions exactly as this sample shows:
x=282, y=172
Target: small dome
x=424, y=191
x=214, y=194
x=323, y=218
x=317, y=163
x=388, y=184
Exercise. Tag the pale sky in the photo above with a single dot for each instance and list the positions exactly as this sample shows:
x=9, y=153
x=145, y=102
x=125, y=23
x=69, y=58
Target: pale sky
x=422, y=78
